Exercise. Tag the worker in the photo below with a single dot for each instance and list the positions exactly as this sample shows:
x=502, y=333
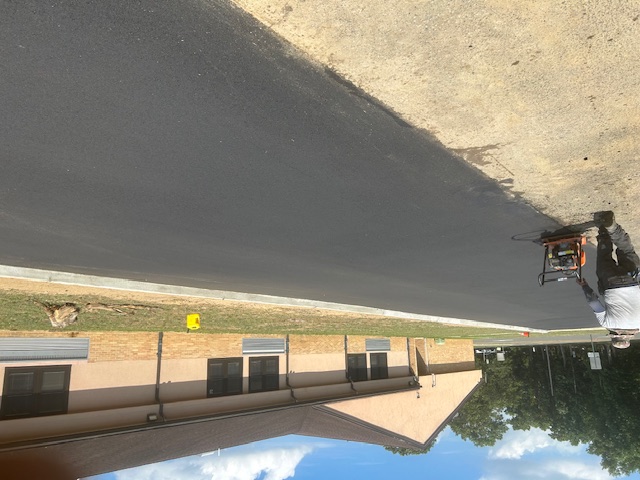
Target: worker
x=617, y=282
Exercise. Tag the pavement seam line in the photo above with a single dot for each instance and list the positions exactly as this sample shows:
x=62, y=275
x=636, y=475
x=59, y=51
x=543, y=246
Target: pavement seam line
x=66, y=278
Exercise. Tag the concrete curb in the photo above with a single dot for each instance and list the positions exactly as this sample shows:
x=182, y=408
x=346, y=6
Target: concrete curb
x=49, y=276
x=583, y=329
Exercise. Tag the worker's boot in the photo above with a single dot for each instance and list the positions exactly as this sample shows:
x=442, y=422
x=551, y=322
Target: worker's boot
x=604, y=241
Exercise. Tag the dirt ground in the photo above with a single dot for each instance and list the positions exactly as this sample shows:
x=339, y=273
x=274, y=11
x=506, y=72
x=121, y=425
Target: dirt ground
x=543, y=96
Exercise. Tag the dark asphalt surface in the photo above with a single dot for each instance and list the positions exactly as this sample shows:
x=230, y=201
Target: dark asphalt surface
x=180, y=142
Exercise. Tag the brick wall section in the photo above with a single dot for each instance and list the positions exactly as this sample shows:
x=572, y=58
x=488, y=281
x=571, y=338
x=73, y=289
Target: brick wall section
x=398, y=344
x=452, y=351
x=305, y=344
x=355, y=344
x=454, y=355
x=41, y=334
x=114, y=346
x=104, y=346
x=201, y=345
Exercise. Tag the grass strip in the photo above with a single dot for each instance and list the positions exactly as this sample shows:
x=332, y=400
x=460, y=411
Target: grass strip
x=20, y=312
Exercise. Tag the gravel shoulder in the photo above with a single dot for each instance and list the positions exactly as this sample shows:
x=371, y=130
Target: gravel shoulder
x=540, y=96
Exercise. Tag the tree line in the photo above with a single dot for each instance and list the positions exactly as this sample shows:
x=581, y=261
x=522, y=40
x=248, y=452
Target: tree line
x=554, y=389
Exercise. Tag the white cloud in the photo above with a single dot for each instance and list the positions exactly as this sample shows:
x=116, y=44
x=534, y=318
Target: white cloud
x=274, y=463
x=558, y=469
x=534, y=455
x=516, y=443
x=580, y=471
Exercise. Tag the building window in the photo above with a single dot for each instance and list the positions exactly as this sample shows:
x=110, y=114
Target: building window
x=35, y=391
x=263, y=374
x=357, y=367
x=224, y=376
x=377, y=344
x=379, y=368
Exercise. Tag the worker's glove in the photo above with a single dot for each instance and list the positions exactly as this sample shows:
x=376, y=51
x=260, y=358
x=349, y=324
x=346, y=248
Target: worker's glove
x=589, y=294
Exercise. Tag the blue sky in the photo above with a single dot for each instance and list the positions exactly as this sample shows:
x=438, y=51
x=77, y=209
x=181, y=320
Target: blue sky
x=529, y=455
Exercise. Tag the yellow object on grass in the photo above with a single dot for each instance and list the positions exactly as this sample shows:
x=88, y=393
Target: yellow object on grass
x=193, y=321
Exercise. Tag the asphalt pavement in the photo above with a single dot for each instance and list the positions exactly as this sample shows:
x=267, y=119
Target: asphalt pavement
x=180, y=142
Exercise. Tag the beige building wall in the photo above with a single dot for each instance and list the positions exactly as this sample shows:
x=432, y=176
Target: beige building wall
x=121, y=370
x=96, y=386
x=397, y=363
x=317, y=369
x=116, y=386
x=183, y=379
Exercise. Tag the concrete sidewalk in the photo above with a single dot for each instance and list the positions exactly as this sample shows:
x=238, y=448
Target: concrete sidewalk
x=524, y=341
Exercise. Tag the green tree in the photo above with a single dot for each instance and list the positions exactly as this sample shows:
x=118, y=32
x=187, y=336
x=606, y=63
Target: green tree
x=410, y=451
x=594, y=407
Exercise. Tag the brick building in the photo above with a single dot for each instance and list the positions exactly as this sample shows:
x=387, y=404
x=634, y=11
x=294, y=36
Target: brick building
x=62, y=387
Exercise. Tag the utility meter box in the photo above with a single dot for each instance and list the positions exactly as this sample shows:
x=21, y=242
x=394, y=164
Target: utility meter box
x=594, y=360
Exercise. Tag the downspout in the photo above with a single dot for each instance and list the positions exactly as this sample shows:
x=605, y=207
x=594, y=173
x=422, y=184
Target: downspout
x=286, y=347
x=158, y=369
x=411, y=372
x=426, y=355
x=346, y=363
